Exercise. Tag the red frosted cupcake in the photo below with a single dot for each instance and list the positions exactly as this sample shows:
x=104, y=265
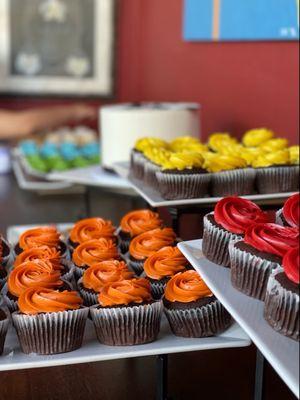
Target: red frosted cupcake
x=282, y=297
x=229, y=221
x=254, y=258
x=289, y=215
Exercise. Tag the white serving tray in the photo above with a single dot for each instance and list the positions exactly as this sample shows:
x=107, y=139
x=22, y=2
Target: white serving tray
x=154, y=198
x=281, y=352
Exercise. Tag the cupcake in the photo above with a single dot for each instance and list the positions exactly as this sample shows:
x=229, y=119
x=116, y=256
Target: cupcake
x=282, y=297
x=4, y=322
x=258, y=254
x=90, y=229
x=30, y=274
x=183, y=177
x=275, y=173
x=4, y=252
x=92, y=252
x=134, y=223
x=49, y=321
x=230, y=175
x=161, y=266
x=229, y=221
x=147, y=243
x=218, y=141
x=155, y=159
x=127, y=315
x=41, y=236
x=99, y=275
x=191, y=308
x=187, y=143
x=289, y=215
x=256, y=137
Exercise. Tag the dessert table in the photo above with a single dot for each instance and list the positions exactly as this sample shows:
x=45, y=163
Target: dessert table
x=281, y=352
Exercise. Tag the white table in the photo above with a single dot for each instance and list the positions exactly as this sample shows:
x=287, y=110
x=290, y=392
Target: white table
x=281, y=352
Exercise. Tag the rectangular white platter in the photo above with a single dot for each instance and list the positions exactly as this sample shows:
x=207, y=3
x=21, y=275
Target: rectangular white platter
x=92, y=350
x=281, y=352
x=154, y=198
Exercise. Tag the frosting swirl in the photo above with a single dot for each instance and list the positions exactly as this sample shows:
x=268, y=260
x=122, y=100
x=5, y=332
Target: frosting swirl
x=235, y=214
x=165, y=262
x=98, y=275
x=147, y=243
x=95, y=251
x=280, y=157
x=291, y=210
x=186, y=287
x=184, y=160
x=92, y=228
x=274, y=145
x=41, y=236
x=215, y=162
x=157, y=155
x=217, y=141
x=50, y=254
x=140, y=221
x=291, y=265
x=33, y=274
x=187, y=143
x=41, y=300
x=125, y=292
x=148, y=142
x=272, y=238
x=294, y=154
x=256, y=137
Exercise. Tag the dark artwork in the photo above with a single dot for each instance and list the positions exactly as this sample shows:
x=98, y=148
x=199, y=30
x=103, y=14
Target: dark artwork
x=53, y=38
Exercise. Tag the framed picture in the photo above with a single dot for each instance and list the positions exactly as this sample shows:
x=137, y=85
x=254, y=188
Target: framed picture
x=57, y=47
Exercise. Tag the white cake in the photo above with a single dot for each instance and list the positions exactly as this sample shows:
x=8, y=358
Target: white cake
x=121, y=125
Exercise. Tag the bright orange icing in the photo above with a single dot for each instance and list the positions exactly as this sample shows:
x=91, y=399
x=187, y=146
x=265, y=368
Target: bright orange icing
x=92, y=228
x=42, y=236
x=144, y=245
x=98, y=275
x=186, y=287
x=165, y=262
x=40, y=253
x=125, y=292
x=32, y=274
x=140, y=221
x=95, y=251
x=40, y=300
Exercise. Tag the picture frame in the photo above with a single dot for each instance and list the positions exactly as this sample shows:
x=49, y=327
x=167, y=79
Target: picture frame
x=57, y=47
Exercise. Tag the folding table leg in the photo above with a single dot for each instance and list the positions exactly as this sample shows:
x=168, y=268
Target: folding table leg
x=175, y=215
x=259, y=376
x=162, y=377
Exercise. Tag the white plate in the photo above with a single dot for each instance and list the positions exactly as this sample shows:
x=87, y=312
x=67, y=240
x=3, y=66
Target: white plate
x=154, y=198
x=281, y=352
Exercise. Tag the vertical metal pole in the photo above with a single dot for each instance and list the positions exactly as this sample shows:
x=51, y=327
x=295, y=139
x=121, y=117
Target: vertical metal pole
x=259, y=376
x=175, y=215
x=162, y=377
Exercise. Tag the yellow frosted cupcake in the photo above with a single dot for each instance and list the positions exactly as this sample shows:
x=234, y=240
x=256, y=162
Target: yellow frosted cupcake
x=217, y=142
x=183, y=176
x=256, y=137
x=155, y=158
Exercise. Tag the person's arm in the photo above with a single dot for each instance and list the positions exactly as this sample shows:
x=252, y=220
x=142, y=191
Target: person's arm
x=18, y=124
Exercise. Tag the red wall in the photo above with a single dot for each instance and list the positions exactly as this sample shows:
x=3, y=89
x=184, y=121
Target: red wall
x=240, y=85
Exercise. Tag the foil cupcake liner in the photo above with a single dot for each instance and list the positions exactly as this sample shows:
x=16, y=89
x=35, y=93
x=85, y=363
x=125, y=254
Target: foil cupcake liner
x=137, y=266
x=250, y=273
x=3, y=331
x=282, y=308
x=69, y=268
x=233, y=182
x=127, y=326
x=50, y=333
x=278, y=217
x=158, y=289
x=137, y=162
x=183, y=186
x=3, y=282
x=6, y=251
x=11, y=304
x=89, y=298
x=150, y=171
x=215, y=243
x=208, y=320
x=277, y=179
x=123, y=242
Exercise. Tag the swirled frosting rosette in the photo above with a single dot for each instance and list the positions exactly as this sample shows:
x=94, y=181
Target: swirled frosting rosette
x=91, y=228
x=291, y=211
x=46, y=253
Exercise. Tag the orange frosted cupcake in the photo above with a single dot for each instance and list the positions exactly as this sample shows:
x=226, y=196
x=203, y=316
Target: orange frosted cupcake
x=127, y=315
x=191, y=308
x=134, y=223
x=89, y=229
x=161, y=266
x=99, y=275
x=49, y=321
x=144, y=245
x=92, y=252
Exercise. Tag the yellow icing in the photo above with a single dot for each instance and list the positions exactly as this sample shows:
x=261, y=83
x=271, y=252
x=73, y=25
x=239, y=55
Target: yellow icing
x=294, y=154
x=184, y=160
x=157, y=155
x=274, y=145
x=218, y=141
x=222, y=162
x=280, y=157
x=256, y=137
x=250, y=154
x=149, y=142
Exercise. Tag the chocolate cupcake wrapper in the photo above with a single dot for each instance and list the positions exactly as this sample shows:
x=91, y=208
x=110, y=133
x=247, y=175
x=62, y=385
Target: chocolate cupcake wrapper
x=11, y=304
x=249, y=273
x=150, y=171
x=282, y=308
x=123, y=243
x=50, y=333
x=78, y=272
x=3, y=331
x=7, y=251
x=215, y=243
x=233, y=182
x=137, y=165
x=157, y=289
x=69, y=274
x=278, y=217
x=89, y=299
x=2, y=282
x=181, y=186
x=277, y=179
x=127, y=326
x=204, y=321
x=136, y=266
